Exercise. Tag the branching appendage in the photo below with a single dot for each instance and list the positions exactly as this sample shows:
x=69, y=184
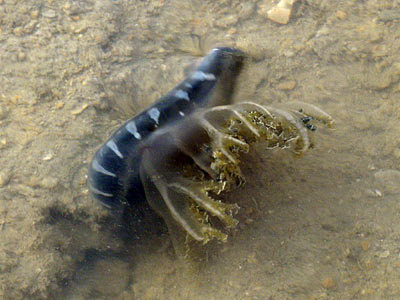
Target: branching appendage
x=186, y=165
x=232, y=129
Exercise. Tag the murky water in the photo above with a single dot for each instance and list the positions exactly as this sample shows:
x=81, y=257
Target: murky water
x=323, y=226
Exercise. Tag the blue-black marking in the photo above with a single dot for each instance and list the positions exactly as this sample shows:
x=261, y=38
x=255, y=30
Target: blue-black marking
x=121, y=156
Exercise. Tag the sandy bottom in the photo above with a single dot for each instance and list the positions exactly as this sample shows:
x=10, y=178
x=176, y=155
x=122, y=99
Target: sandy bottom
x=325, y=226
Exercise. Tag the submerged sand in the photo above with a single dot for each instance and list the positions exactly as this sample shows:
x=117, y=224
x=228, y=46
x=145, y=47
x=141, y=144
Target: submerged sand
x=325, y=226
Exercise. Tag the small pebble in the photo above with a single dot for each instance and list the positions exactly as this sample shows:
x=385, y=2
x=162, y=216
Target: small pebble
x=48, y=156
x=78, y=29
x=340, y=14
x=21, y=56
x=279, y=15
x=288, y=53
x=365, y=245
x=49, y=183
x=286, y=85
x=232, y=31
x=49, y=13
x=35, y=14
x=79, y=110
x=59, y=105
x=328, y=283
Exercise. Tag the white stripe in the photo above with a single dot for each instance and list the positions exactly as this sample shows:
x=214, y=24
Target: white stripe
x=154, y=114
x=182, y=113
x=96, y=191
x=99, y=168
x=188, y=85
x=199, y=75
x=113, y=146
x=131, y=127
x=181, y=94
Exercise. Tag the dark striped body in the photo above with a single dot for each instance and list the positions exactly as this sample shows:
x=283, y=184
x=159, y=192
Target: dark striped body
x=114, y=171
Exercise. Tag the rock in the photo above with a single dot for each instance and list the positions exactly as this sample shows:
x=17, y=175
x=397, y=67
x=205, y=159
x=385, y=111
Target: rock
x=280, y=13
x=390, y=180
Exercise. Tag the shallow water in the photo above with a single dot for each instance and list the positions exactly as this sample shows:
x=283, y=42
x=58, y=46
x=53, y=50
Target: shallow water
x=325, y=226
